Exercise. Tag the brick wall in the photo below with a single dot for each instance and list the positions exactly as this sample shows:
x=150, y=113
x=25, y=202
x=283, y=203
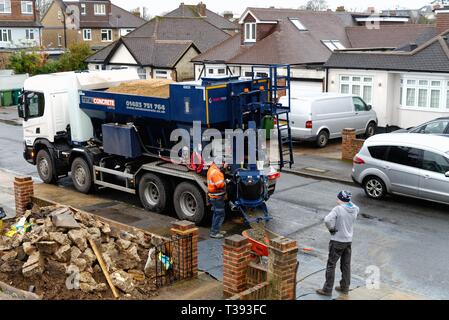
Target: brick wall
x=16, y=13
x=23, y=190
x=442, y=21
x=186, y=256
x=350, y=145
x=236, y=257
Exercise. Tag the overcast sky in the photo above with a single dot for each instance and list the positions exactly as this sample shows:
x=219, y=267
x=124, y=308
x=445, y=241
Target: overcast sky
x=157, y=7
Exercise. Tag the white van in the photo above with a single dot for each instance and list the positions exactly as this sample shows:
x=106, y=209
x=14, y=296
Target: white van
x=322, y=116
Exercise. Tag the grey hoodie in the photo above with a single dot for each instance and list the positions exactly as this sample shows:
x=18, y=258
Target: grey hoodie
x=342, y=218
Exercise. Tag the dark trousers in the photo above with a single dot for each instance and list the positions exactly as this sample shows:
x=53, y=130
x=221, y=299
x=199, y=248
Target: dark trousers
x=218, y=206
x=338, y=250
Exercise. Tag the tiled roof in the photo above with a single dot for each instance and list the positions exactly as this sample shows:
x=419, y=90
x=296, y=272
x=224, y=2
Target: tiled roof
x=203, y=34
x=433, y=56
x=390, y=36
x=191, y=11
x=126, y=20
x=19, y=24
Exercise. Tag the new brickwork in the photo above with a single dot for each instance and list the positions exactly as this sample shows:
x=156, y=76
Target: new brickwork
x=23, y=191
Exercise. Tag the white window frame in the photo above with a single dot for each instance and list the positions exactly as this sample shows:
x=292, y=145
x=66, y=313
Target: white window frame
x=427, y=84
x=109, y=35
x=89, y=33
x=250, y=31
x=351, y=82
x=298, y=24
x=30, y=34
x=26, y=5
x=142, y=72
x=99, y=9
x=59, y=40
x=83, y=9
x=159, y=74
x=5, y=35
x=333, y=45
x=6, y=6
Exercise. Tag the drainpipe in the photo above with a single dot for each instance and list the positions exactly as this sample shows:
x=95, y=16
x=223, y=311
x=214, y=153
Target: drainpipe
x=326, y=83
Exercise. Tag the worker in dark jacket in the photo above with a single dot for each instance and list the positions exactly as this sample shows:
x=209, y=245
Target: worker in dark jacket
x=216, y=186
x=340, y=222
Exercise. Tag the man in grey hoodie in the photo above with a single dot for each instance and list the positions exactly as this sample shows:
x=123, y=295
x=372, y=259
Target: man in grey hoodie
x=340, y=222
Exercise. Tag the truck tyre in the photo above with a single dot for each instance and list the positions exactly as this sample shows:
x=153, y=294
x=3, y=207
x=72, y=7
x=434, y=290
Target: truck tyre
x=153, y=192
x=81, y=175
x=44, y=166
x=189, y=202
x=322, y=139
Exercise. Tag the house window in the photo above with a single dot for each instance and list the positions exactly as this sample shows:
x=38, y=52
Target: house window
x=5, y=35
x=142, y=73
x=333, y=45
x=424, y=94
x=29, y=34
x=250, y=32
x=298, y=24
x=221, y=71
x=87, y=34
x=161, y=74
x=99, y=9
x=5, y=6
x=357, y=85
x=106, y=35
x=59, y=40
x=27, y=7
x=83, y=9
x=210, y=71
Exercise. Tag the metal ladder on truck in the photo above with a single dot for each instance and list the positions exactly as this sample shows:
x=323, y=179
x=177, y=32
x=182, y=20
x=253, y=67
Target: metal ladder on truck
x=279, y=77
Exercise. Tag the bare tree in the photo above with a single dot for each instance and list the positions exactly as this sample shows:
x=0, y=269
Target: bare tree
x=315, y=5
x=42, y=6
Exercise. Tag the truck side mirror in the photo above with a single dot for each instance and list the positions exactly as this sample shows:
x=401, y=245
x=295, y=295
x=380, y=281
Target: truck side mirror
x=21, y=107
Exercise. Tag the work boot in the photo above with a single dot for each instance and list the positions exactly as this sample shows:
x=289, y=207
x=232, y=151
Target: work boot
x=341, y=290
x=323, y=293
x=223, y=232
x=216, y=235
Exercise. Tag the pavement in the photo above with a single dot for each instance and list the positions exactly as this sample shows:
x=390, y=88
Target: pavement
x=9, y=116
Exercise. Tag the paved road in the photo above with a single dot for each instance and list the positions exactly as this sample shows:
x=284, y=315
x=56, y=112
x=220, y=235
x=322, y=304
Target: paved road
x=405, y=238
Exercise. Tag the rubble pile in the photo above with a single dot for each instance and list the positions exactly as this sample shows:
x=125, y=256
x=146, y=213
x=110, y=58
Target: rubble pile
x=48, y=249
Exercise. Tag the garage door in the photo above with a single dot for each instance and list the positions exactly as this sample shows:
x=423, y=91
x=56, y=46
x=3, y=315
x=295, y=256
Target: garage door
x=303, y=87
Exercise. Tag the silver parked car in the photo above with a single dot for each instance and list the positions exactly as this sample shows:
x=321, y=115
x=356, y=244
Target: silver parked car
x=322, y=116
x=409, y=164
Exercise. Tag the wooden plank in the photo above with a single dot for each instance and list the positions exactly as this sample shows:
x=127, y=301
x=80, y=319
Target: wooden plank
x=103, y=267
x=20, y=294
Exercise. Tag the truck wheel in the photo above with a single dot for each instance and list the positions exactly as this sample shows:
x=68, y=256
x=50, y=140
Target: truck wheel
x=45, y=166
x=189, y=202
x=370, y=130
x=81, y=175
x=322, y=139
x=153, y=192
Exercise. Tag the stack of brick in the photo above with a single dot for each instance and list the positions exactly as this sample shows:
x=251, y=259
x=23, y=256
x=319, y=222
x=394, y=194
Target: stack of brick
x=350, y=145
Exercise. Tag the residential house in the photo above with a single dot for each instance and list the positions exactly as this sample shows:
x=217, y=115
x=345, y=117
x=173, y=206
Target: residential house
x=97, y=22
x=200, y=11
x=303, y=39
x=406, y=86
x=19, y=24
x=161, y=48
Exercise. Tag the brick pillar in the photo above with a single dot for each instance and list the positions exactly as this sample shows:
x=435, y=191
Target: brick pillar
x=23, y=190
x=236, y=257
x=282, y=261
x=348, y=137
x=183, y=260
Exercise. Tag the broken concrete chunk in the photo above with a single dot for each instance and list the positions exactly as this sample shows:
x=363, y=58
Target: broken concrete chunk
x=75, y=253
x=123, y=281
x=63, y=253
x=47, y=247
x=78, y=236
x=9, y=255
x=33, y=266
x=137, y=275
x=94, y=233
x=59, y=211
x=11, y=266
x=55, y=268
x=17, y=241
x=65, y=221
x=80, y=263
x=87, y=287
x=59, y=237
x=28, y=248
x=89, y=256
x=86, y=277
x=123, y=244
x=106, y=229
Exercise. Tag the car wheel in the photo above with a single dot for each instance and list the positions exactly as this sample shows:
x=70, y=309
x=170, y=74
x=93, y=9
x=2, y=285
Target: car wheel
x=189, y=202
x=374, y=187
x=322, y=139
x=44, y=166
x=81, y=175
x=153, y=192
x=370, y=130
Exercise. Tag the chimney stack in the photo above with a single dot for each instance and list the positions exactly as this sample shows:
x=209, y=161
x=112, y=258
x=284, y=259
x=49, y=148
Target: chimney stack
x=201, y=9
x=442, y=21
x=228, y=15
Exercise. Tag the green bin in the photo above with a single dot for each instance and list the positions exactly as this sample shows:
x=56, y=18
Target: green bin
x=15, y=96
x=6, y=98
x=268, y=124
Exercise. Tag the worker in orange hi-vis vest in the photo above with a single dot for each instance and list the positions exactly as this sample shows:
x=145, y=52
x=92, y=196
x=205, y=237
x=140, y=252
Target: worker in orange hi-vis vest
x=216, y=185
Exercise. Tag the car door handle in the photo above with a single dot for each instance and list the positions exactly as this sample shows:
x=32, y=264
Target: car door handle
x=387, y=167
x=426, y=176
